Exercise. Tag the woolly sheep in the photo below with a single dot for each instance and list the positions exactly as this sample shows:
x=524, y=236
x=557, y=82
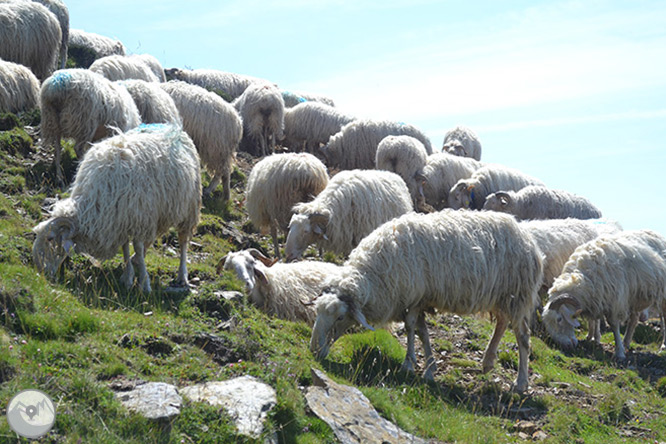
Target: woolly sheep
x=405, y=156
x=154, y=104
x=133, y=186
x=462, y=262
x=354, y=203
x=355, y=146
x=472, y=192
x=80, y=104
x=86, y=47
x=152, y=63
x=277, y=183
x=29, y=35
x=117, y=67
x=441, y=172
x=537, y=202
x=282, y=290
x=214, y=125
x=232, y=84
x=462, y=141
x=308, y=125
x=614, y=276
x=262, y=109
x=59, y=9
x=292, y=99
x=19, y=88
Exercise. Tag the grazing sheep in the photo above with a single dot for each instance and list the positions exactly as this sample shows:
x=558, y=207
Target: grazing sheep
x=152, y=63
x=537, y=202
x=355, y=146
x=117, y=67
x=405, y=156
x=214, y=125
x=154, y=104
x=276, y=184
x=282, y=290
x=353, y=204
x=59, y=9
x=615, y=276
x=29, y=35
x=472, y=192
x=462, y=262
x=262, y=109
x=80, y=104
x=86, y=47
x=133, y=186
x=441, y=172
x=19, y=88
x=231, y=84
x=308, y=125
x=292, y=99
x=462, y=141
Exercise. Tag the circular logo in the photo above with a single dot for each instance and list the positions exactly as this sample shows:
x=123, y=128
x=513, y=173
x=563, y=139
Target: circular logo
x=31, y=413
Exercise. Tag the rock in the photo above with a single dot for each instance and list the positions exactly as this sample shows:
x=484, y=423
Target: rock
x=526, y=427
x=246, y=399
x=154, y=400
x=349, y=413
x=539, y=435
x=235, y=297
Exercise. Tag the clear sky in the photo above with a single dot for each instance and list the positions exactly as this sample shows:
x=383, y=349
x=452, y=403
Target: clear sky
x=571, y=92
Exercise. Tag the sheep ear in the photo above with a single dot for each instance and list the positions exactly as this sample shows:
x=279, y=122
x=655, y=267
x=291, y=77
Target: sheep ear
x=261, y=276
x=360, y=318
x=220, y=264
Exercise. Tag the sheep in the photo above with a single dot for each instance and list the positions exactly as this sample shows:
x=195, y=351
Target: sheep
x=262, y=109
x=458, y=261
x=83, y=105
x=461, y=141
x=537, y=202
x=229, y=83
x=154, y=104
x=117, y=67
x=152, y=63
x=615, y=276
x=282, y=290
x=277, y=183
x=441, y=172
x=355, y=145
x=292, y=99
x=405, y=156
x=86, y=47
x=19, y=88
x=59, y=9
x=354, y=203
x=308, y=125
x=132, y=186
x=29, y=35
x=472, y=192
x=214, y=125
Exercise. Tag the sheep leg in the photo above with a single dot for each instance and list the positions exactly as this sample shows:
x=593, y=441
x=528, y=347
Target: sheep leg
x=274, y=235
x=594, y=330
x=127, y=278
x=140, y=252
x=522, y=332
x=214, y=182
x=490, y=354
x=620, y=355
x=57, y=163
x=422, y=330
x=631, y=328
x=410, y=357
x=184, y=241
x=663, y=327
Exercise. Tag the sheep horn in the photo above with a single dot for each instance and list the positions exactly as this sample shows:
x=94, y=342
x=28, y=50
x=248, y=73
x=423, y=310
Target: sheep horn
x=318, y=218
x=503, y=197
x=259, y=255
x=65, y=223
x=220, y=264
x=308, y=304
x=564, y=299
x=419, y=176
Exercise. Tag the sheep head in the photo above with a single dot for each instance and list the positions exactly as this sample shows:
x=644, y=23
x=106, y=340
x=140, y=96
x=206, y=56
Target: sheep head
x=304, y=230
x=460, y=195
x=455, y=147
x=336, y=313
x=247, y=268
x=559, y=319
x=500, y=201
x=54, y=241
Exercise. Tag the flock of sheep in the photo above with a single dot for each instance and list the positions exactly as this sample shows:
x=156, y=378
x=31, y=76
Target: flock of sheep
x=420, y=230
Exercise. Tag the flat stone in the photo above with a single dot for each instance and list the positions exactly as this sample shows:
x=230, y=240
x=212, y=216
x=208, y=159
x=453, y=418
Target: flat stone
x=246, y=400
x=153, y=400
x=350, y=414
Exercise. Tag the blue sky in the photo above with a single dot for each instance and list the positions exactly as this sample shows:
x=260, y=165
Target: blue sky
x=571, y=92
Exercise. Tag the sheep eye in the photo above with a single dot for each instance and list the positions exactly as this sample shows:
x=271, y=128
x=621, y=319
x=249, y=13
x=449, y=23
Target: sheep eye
x=341, y=317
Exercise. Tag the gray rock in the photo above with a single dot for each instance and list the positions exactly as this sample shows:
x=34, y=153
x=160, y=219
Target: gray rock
x=349, y=413
x=246, y=399
x=154, y=400
x=235, y=297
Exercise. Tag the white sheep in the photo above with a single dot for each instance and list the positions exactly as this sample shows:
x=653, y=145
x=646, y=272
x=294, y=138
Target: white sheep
x=355, y=146
x=86, y=47
x=405, y=156
x=616, y=277
x=472, y=192
x=441, y=172
x=354, y=203
x=153, y=64
x=59, y=9
x=231, y=84
x=461, y=141
x=154, y=104
x=118, y=67
x=80, y=104
x=214, y=125
x=29, y=35
x=282, y=290
x=19, y=88
x=292, y=99
x=277, y=183
x=133, y=186
x=262, y=109
x=308, y=125
x=537, y=202
x=457, y=261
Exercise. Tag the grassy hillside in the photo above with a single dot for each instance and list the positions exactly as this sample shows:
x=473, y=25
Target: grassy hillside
x=82, y=335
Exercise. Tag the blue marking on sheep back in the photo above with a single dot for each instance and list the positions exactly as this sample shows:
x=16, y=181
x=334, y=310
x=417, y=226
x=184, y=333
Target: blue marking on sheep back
x=153, y=127
x=302, y=99
x=60, y=79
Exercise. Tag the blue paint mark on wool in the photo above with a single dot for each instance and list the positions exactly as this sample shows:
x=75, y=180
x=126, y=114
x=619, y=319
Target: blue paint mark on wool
x=152, y=127
x=61, y=79
x=302, y=99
